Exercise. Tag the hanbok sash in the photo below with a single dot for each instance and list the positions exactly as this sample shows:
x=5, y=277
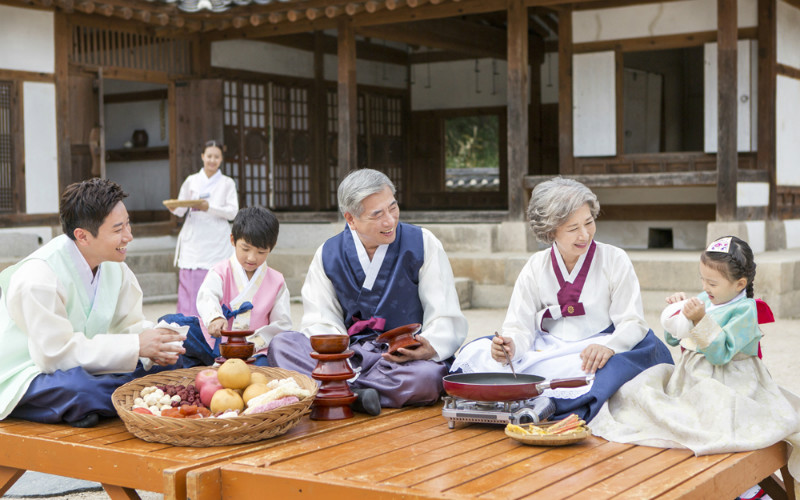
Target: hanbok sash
x=569, y=294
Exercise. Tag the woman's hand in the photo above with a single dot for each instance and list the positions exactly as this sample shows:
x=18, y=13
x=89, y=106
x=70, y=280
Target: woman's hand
x=594, y=357
x=203, y=205
x=423, y=351
x=498, y=354
x=676, y=297
x=216, y=326
x=694, y=309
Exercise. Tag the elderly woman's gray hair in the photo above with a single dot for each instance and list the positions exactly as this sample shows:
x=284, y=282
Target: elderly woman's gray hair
x=357, y=186
x=554, y=201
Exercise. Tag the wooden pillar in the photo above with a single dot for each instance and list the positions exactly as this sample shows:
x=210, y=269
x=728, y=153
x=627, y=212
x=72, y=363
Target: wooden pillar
x=566, y=162
x=319, y=126
x=517, y=107
x=348, y=99
x=727, y=156
x=767, y=84
x=63, y=44
x=536, y=52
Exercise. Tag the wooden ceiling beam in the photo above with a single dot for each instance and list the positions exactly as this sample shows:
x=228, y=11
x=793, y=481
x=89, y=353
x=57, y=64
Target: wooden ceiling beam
x=364, y=50
x=544, y=15
x=537, y=28
x=447, y=34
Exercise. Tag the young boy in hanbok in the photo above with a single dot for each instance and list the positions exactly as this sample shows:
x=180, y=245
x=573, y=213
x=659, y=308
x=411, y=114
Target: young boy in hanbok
x=243, y=292
x=719, y=397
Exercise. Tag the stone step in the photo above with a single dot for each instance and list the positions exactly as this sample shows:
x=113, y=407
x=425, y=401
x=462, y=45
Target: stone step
x=158, y=286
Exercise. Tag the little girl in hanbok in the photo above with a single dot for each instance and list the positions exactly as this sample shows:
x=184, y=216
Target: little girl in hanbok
x=719, y=396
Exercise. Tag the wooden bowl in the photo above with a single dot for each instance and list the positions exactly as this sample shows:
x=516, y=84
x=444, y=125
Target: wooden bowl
x=402, y=336
x=236, y=336
x=330, y=343
x=241, y=351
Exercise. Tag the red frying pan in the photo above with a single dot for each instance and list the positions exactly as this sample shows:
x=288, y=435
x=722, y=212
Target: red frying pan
x=504, y=386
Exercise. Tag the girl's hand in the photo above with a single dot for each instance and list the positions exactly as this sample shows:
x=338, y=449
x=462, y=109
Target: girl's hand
x=594, y=357
x=676, y=297
x=216, y=326
x=498, y=354
x=694, y=309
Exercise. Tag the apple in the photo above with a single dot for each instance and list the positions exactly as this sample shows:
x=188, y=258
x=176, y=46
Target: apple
x=207, y=392
x=203, y=377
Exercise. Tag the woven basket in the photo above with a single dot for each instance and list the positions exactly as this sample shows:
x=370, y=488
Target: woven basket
x=203, y=432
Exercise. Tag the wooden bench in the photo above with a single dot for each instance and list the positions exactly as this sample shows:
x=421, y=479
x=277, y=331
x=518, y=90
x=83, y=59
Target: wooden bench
x=122, y=463
x=413, y=454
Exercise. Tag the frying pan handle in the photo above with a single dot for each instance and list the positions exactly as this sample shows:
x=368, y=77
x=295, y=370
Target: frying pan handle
x=565, y=382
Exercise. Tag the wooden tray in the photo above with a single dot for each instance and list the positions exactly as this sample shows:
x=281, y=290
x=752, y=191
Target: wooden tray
x=548, y=439
x=173, y=204
x=203, y=432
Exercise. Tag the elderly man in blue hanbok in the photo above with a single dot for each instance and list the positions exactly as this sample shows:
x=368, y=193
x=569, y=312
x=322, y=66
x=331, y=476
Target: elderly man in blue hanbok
x=71, y=322
x=376, y=275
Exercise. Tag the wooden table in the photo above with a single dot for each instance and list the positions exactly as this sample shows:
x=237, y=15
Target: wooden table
x=121, y=462
x=413, y=454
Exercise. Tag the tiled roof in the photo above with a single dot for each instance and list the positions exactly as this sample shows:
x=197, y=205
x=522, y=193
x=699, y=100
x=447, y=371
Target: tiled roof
x=472, y=179
x=213, y=5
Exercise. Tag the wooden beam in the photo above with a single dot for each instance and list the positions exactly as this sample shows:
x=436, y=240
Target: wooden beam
x=366, y=50
x=319, y=127
x=144, y=95
x=446, y=34
x=727, y=156
x=565, y=132
x=30, y=76
x=767, y=88
x=347, y=100
x=788, y=71
x=354, y=8
x=660, y=42
x=63, y=39
x=661, y=179
x=517, y=95
x=431, y=11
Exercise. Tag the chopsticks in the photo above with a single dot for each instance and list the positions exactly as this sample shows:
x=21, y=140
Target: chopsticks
x=508, y=358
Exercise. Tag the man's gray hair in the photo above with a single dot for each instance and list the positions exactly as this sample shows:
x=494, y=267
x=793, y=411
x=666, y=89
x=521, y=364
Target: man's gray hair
x=358, y=185
x=554, y=201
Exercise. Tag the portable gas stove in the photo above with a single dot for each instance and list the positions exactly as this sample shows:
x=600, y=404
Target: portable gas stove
x=528, y=411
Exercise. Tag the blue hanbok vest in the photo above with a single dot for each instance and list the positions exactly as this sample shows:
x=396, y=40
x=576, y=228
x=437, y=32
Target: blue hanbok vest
x=394, y=296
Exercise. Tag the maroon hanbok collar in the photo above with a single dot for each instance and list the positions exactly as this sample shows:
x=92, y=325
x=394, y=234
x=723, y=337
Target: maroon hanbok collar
x=569, y=294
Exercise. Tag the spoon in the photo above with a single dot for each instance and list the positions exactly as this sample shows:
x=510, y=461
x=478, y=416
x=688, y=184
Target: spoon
x=508, y=358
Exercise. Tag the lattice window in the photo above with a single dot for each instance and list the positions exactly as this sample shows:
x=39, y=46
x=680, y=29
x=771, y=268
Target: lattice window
x=7, y=176
x=292, y=147
x=97, y=46
x=246, y=122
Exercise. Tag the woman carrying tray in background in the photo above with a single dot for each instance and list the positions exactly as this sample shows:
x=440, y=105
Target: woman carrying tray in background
x=205, y=237
x=576, y=308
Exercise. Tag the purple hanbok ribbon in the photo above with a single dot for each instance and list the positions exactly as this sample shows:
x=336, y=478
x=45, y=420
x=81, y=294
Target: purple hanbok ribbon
x=360, y=325
x=570, y=293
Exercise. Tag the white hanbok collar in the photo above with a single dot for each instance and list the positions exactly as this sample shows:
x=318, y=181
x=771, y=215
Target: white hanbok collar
x=246, y=287
x=90, y=281
x=370, y=267
x=575, y=270
x=741, y=295
x=202, y=184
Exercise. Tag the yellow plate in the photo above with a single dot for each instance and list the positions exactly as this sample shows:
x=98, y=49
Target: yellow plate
x=172, y=204
x=549, y=439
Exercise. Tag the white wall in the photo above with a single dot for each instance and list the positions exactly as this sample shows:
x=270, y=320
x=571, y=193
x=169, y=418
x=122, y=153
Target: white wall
x=453, y=84
x=655, y=19
x=788, y=35
x=369, y=72
x=549, y=78
x=147, y=182
x=41, y=152
x=787, y=131
x=27, y=39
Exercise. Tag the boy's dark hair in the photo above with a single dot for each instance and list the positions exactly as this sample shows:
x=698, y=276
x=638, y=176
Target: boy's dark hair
x=257, y=226
x=86, y=205
x=736, y=263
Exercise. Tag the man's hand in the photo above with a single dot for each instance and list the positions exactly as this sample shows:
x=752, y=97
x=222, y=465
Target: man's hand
x=404, y=354
x=216, y=326
x=594, y=357
x=694, y=309
x=676, y=297
x=155, y=344
x=497, y=349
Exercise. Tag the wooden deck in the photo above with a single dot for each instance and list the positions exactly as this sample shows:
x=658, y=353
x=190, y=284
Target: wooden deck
x=121, y=462
x=413, y=454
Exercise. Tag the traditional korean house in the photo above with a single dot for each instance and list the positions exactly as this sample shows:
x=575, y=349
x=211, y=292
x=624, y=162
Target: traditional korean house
x=681, y=115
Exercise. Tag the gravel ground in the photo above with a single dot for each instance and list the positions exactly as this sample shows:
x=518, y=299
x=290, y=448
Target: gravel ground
x=780, y=348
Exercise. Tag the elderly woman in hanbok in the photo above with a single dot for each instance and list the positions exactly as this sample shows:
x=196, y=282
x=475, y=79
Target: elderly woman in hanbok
x=205, y=237
x=576, y=308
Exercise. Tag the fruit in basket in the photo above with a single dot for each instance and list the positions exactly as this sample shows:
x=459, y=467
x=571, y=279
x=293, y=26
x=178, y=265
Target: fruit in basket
x=234, y=374
x=203, y=377
x=208, y=391
x=258, y=378
x=254, y=390
x=226, y=399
